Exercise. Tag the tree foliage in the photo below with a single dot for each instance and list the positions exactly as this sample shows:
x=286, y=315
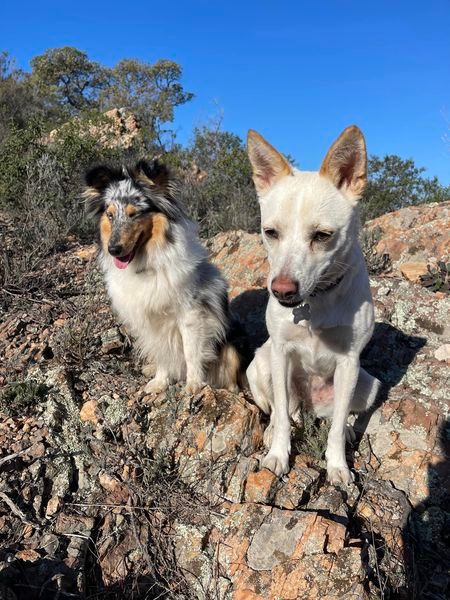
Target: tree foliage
x=18, y=101
x=151, y=92
x=70, y=83
x=224, y=197
x=394, y=183
x=67, y=78
x=66, y=86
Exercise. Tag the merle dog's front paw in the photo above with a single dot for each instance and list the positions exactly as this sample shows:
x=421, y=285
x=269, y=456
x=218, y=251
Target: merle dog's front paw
x=194, y=386
x=156, y=386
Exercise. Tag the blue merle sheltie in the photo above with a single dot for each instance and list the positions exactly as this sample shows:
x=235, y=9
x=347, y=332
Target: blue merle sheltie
x=170, y=298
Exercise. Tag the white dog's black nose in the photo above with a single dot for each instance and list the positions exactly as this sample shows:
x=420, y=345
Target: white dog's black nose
x=285, y=290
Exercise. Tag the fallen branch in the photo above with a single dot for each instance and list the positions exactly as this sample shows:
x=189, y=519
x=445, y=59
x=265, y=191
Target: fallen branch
x=16, y=510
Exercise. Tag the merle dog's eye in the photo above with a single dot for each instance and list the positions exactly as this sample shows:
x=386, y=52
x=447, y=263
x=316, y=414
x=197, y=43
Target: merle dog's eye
x=321, y=236
x=271, y=233
x=110, y=216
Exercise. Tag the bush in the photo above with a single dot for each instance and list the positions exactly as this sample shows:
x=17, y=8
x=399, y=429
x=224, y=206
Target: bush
x=40, y=186
x=223, y=197
x=396, y=183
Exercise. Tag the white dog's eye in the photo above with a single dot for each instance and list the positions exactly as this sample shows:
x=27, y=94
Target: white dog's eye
x=321, y=236
x=271, y=233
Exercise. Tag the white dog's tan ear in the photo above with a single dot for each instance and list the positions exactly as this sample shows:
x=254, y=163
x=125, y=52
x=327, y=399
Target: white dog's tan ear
x=267, y=163
x=345, y=164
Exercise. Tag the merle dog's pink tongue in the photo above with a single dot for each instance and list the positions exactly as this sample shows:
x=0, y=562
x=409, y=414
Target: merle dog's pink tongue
x=123, y=261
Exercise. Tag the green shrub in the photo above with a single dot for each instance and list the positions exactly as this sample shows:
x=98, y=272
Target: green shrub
x=41, y=179
x=395, y=183
x=225, y=197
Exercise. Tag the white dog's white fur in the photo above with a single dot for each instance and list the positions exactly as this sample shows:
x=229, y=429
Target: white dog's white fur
x=310, y=227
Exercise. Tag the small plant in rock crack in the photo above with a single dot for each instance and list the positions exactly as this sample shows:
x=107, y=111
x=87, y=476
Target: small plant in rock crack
x=76, y=341
x=310, y=437
x=159, y=468
x=17, y=398
x=376, y=263
x=438, y=278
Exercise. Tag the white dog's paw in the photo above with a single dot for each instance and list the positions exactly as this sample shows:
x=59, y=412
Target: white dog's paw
x=194, y=386
x=277, y=463
x=156, y=386
x=268, y=435
x=340, y=475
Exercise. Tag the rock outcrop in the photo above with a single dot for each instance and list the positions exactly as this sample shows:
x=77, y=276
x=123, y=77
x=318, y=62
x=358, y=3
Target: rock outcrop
x=413, y=238
x=119, y=129
x=104, y=489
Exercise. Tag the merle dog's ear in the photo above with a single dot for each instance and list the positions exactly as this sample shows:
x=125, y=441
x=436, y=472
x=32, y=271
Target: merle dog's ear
x=97, y=180
x=100, y=177
x=153, y=173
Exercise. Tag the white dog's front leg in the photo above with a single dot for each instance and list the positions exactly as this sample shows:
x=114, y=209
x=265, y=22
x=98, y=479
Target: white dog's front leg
x=345, y=379
x=277, y=460
x=193, y=349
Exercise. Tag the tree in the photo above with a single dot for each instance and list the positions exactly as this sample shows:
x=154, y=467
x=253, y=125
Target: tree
x=224, y=197
x=67, y=83
x=394, y=183
x=67, y=78
x=17, y=99
x=151, y=92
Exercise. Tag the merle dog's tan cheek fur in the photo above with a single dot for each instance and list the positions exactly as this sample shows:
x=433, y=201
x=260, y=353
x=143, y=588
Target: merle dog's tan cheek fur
x=152, y=230
x=105, y=231
x=157, y=229
x=130, y=210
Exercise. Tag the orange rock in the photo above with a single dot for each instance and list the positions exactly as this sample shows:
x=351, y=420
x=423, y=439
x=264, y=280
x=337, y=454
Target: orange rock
x=87, y=252
x=260, y=487
x=53, y=506
x=413, y=271
x=247, y=595
x=90, y=412
x=414, y=233
x=28, y=555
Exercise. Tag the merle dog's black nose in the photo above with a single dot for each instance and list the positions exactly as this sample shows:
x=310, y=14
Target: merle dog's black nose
x=115, y=249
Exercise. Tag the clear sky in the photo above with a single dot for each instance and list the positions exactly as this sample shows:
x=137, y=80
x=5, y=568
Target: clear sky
x=296, y=71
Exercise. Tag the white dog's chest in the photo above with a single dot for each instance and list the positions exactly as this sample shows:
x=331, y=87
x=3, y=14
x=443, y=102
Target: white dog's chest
x=316, y=357
x=299, y=339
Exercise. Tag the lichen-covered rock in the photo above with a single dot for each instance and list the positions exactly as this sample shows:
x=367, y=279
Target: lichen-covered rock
x=416, y=234
x=104, y=485
x=241, y=258
x=271, y=553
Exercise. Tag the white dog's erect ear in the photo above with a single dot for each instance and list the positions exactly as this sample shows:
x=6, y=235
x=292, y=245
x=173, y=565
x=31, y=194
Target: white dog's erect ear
x=345, y=164
x=267, y=163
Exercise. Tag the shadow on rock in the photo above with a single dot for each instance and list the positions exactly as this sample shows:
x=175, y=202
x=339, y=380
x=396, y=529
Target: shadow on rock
x=427, y=533
x=248, y=311
x=46, y=579
x=387, y=356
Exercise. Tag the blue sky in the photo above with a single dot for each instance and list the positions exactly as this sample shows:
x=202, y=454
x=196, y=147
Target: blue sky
x=298, y=72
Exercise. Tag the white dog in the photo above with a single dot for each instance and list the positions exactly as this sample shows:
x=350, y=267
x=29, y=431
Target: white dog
x=320, y=313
